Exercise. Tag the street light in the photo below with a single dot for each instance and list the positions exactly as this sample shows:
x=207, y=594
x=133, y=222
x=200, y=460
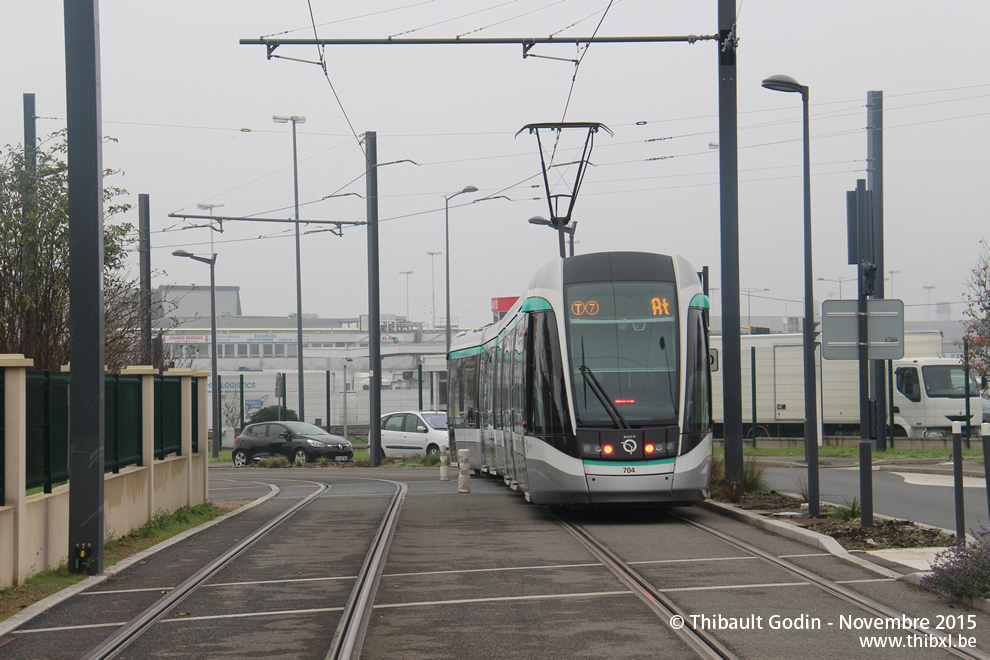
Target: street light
x=407, y=273
x=928, y=302
x=217, y=422
x=892, y=273
x=446, y=204
x=782, y=83
x=749, y=291
x=566, y=229
x=839, y=279
x=210, y=207
x=433, y=278
x=281, y=119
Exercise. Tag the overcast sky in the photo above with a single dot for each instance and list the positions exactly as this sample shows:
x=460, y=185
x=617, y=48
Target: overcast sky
x=178, y=90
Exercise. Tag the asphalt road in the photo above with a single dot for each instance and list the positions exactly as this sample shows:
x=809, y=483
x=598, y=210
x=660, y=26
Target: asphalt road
x=923, y=498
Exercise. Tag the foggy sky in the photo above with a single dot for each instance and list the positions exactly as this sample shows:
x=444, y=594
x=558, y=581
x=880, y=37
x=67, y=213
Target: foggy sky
x=177, y=89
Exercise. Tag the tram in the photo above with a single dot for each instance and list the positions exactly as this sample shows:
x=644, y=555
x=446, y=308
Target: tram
x=595, y=387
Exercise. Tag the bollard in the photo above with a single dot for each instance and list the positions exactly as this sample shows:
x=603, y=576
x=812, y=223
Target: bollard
x=957, y=473
x=444, y=470
x=985, y=436
x=463, y=478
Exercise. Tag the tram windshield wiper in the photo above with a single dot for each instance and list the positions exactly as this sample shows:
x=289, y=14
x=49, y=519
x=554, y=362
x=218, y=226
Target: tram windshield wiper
x=599, y=391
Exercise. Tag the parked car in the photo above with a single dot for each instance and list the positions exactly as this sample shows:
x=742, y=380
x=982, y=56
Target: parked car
x=294, y=440
x=414, y=432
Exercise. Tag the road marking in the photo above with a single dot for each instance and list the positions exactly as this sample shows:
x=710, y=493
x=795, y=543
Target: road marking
x=492, y=570
x=502, y=599
x=945, y=480
x=116, y=624
x=244, y=615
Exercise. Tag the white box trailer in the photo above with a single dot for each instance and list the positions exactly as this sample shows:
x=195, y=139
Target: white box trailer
x=928, y=388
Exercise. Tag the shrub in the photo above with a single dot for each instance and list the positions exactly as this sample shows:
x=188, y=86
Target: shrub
x=275, y=462
x=851, y=511
x=274, y=414
x=963, y=571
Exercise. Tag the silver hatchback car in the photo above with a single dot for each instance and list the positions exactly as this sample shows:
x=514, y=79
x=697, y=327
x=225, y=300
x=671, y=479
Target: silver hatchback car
x=414, y=432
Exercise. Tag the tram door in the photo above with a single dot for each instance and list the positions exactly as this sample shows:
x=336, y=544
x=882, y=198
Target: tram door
x=505, y=416
x=518, y=401
x=485, y=375
x=498, y=436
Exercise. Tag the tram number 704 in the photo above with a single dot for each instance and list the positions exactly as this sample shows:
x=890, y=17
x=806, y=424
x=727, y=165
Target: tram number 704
x=628, y=470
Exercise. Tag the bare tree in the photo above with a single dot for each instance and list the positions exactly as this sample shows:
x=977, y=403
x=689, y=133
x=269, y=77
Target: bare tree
x=34, y=263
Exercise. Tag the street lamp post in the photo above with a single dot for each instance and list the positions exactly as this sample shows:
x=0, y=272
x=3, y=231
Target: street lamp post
x=749, y=291
x=407, y=273
x=892, y=273
x=928, y=302
x=782, y=83
x=839, y=279
x=446, y=204
x=280, y=119
x=561, y=230
x=217, y=422
x=210, y=207
x=433, y=280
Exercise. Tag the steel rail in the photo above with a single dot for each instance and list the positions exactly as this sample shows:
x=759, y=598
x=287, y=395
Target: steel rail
x=700, y=641
x=837, y=590
x=134, y=628
x=349, y=636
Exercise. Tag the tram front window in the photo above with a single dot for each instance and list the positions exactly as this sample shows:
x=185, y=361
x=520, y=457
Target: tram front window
x=622, y=340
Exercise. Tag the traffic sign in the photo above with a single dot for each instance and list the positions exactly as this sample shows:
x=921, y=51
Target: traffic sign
x=885, y=329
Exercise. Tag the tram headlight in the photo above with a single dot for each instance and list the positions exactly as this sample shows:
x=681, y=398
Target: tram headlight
x=608, y=450
x=650, y=449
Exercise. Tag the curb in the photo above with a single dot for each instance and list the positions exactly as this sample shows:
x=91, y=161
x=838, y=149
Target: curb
x=31, y=611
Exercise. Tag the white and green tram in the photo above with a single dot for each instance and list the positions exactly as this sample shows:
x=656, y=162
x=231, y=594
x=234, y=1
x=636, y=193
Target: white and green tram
x=595, y=387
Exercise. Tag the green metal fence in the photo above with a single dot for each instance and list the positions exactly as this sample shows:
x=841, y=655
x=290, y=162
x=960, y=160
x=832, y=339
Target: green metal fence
x=3, y=426
x=168, y=416
x=195, y=415
x=47, y=424
x=122, y=422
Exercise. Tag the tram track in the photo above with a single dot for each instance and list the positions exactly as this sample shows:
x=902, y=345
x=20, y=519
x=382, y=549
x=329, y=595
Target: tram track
x=703, y=642
x=352, y=625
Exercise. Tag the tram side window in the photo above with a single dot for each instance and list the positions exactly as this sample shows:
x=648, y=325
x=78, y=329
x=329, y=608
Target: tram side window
x=464, y=392
x=908, y=383
x=697, y=408
x=549, y=414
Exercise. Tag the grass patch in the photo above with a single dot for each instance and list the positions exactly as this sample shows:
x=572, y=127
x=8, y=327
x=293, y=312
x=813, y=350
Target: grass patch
x=161, y=527
x=753, y=481
x=40, y=489
x=226, y=456
x=852, y=511
x=836, y=451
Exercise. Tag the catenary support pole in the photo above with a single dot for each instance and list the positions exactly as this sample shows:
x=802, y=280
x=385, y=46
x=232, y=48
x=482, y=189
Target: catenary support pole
x=86, y=324
x=874, y=180
x=374, y=316
x=729, y=223
x=144, y=259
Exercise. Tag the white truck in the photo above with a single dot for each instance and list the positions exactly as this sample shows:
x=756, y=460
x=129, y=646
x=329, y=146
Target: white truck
x=929, y=390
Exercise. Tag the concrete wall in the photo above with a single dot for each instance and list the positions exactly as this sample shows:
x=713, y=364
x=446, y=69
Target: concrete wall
x=34, y=531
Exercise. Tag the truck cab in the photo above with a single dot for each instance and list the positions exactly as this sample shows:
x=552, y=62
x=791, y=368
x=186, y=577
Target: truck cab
x=930, y=394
